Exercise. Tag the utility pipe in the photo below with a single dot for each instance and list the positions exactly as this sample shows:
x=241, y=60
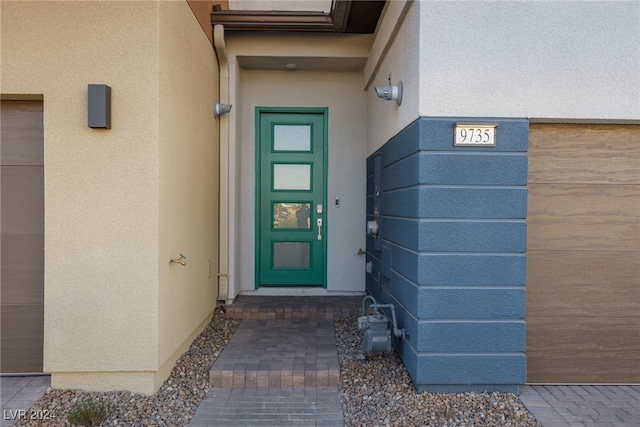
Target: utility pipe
x=396, y=331
x=223, y=207
x=364, y=300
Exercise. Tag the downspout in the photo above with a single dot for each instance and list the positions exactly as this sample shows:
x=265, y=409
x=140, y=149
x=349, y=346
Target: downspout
x=223, y=207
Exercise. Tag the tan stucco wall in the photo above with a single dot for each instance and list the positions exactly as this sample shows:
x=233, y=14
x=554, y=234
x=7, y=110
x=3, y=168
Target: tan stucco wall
x=188, y=179
x=107, y=233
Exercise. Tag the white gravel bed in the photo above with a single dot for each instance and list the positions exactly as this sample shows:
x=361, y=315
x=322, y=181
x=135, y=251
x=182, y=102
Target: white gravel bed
x=379, y=392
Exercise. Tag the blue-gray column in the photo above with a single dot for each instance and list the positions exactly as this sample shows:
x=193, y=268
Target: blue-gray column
x=451, y=253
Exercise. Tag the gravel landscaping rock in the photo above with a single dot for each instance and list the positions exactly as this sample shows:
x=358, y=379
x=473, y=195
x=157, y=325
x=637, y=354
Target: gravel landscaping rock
x=378, y=392
x=375, y=392
x=173, y=405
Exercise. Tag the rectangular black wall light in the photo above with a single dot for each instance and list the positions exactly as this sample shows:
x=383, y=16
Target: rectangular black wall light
x=99, y=108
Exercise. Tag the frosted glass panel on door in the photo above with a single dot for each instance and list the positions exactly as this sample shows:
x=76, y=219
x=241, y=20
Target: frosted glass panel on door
x=291, y=176
x=291, y=254
x=292, y=138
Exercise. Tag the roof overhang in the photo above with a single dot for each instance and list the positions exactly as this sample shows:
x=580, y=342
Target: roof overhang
x=346, y=16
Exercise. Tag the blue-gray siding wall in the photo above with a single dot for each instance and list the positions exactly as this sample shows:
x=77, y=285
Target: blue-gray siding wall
x=451, y=253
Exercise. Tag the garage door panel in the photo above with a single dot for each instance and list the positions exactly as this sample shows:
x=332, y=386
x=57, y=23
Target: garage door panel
x=580, y=217
x=21, y=338
x=589, y=154
x=21, y=236
x=593, y=301
x=583, y=284
x=561, y=350
x=557, y=268
x=22, y=199
x=583, y=257
x=22, y=269
x=22, y=133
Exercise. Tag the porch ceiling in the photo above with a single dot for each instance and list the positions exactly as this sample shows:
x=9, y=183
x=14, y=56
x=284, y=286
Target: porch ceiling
x=346, y=16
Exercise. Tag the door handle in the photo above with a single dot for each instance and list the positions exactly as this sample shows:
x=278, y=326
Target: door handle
x=319, y=223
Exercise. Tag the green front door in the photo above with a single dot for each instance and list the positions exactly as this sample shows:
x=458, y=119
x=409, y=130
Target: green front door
x=291, y=224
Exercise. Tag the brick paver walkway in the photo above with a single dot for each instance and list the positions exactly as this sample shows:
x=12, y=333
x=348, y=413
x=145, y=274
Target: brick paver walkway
x=305, y=407
x=580, y=405
x=281, y=366
x=276, y=372
x=281, y=371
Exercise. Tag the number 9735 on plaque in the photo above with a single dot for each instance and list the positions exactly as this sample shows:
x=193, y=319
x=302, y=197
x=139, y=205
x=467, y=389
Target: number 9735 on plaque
x=475, y=135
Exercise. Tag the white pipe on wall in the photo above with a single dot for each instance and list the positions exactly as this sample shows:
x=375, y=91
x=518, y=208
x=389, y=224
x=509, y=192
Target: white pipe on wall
x=223, y=232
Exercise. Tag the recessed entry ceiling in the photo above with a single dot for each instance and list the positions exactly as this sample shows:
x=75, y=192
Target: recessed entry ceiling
x=342, y=16
x=302, y=63
x=282, y=5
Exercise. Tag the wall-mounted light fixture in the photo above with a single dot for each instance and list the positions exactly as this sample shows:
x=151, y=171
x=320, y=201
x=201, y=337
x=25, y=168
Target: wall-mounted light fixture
x=221, y=109
x=390, y=92
x=99, y=106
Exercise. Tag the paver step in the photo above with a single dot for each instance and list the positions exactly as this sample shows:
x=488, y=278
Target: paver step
x=279, y=353
x=283, y=341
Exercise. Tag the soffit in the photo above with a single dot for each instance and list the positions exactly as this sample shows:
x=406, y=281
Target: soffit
x=332, y=64
x=345, y=16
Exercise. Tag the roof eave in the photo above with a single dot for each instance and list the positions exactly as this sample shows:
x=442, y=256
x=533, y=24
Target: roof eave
x=339, y=20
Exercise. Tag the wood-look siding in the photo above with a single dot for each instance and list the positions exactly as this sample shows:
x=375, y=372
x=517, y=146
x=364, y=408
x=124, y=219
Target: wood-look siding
x=583, y=263
x=21, y=236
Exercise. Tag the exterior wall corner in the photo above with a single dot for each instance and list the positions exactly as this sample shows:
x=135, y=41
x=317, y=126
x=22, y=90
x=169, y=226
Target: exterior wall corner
x=451, y=252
